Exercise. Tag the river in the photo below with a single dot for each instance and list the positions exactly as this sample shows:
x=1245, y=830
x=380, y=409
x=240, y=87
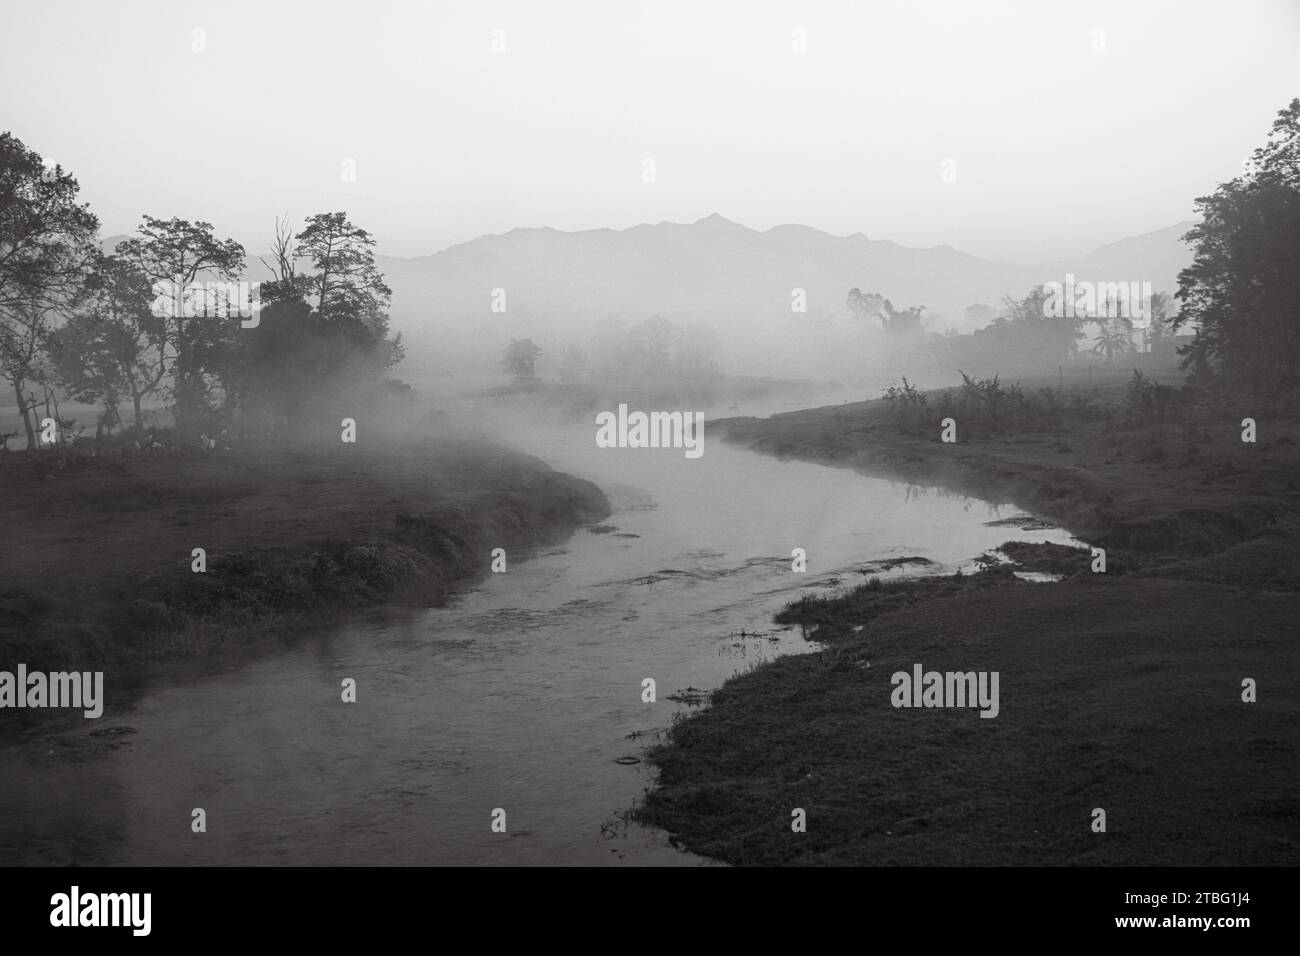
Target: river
x=521, y=694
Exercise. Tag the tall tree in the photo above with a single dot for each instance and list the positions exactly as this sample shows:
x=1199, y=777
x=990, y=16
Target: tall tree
x=286, y=282
x=46, y=243
x=324, y=330
x=1114, y=328
x=173, y=253
x=24, y=334
x=1242, y=291
x=1158, y=319
x=1114, y=337
x=114, y=346
x=345, y=287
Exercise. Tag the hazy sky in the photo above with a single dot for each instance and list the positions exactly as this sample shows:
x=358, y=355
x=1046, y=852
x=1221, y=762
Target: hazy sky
x=1056, y=147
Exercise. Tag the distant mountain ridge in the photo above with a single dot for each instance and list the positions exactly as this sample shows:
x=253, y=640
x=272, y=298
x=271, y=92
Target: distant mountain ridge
x=558, y=286
x=741, y=281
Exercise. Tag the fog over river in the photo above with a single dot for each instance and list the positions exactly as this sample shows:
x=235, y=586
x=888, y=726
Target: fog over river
x=521, y=694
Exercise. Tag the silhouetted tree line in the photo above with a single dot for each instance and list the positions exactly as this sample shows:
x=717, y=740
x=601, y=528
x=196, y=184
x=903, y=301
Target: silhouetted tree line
x=1021, y=334
x=653, y=350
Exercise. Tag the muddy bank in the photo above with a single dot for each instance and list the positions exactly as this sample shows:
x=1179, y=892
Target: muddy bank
x=100, y=567
x=1120, y=691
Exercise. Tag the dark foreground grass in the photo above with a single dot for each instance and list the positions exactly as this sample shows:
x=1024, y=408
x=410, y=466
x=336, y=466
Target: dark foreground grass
x=1124, y=696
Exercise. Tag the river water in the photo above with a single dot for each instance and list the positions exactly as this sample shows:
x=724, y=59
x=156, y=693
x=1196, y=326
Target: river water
x=521, y=695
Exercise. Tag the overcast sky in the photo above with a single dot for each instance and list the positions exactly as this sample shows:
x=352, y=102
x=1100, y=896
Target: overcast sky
x=1055, y=146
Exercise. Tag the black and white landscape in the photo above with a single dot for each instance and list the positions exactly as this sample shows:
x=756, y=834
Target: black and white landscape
x=649, y=434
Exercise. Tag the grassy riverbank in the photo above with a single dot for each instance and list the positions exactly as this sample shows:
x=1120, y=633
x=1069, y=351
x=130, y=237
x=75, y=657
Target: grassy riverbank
x=1119, y=691
x=97, y=568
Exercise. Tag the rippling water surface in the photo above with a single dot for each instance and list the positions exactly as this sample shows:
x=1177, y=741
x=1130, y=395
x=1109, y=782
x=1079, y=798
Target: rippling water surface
x=522, y=694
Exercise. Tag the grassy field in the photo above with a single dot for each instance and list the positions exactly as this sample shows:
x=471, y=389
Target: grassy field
x=1120, y=691
x=97, y=565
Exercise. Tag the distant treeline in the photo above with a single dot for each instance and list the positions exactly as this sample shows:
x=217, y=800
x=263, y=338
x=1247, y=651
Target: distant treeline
x=1027, y=334
x=1237, y=310
x=655, y=350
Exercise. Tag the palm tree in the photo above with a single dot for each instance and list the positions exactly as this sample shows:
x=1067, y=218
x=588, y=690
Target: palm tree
x=1114, y=337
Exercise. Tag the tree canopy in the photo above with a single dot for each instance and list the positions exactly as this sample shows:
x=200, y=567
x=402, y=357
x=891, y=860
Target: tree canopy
x=1241, y=294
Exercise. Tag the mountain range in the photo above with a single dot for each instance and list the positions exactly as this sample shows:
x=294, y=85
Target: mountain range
x=558, y=287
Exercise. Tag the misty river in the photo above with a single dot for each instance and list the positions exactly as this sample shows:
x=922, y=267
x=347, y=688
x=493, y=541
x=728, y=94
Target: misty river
x=521, y=694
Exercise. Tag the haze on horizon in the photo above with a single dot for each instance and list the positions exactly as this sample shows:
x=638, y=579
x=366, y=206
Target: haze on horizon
x=1057, y=146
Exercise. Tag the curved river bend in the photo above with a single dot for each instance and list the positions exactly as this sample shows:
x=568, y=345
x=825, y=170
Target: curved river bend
x=520, y=695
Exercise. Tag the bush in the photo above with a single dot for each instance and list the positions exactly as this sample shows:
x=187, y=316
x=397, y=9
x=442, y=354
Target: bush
x=1149, y=401
x=908, y=405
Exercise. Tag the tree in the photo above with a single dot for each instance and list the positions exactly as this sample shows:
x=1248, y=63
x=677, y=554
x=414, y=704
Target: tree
x=114, y=346
x=1029, y=334
x=46, y=241
x=649, y=347
x=172, y=253
x=1114, y=337
x=287, y=283
x=1114, y=329
x=573, y=363
x=1241, y=293
x=872, y=305
x=1050, y=338
x=24, y=332
x=347, y=287
x=863, y=305
x=85, y=366
x=1158, y=320
x=520, y=358
x=323, y=338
